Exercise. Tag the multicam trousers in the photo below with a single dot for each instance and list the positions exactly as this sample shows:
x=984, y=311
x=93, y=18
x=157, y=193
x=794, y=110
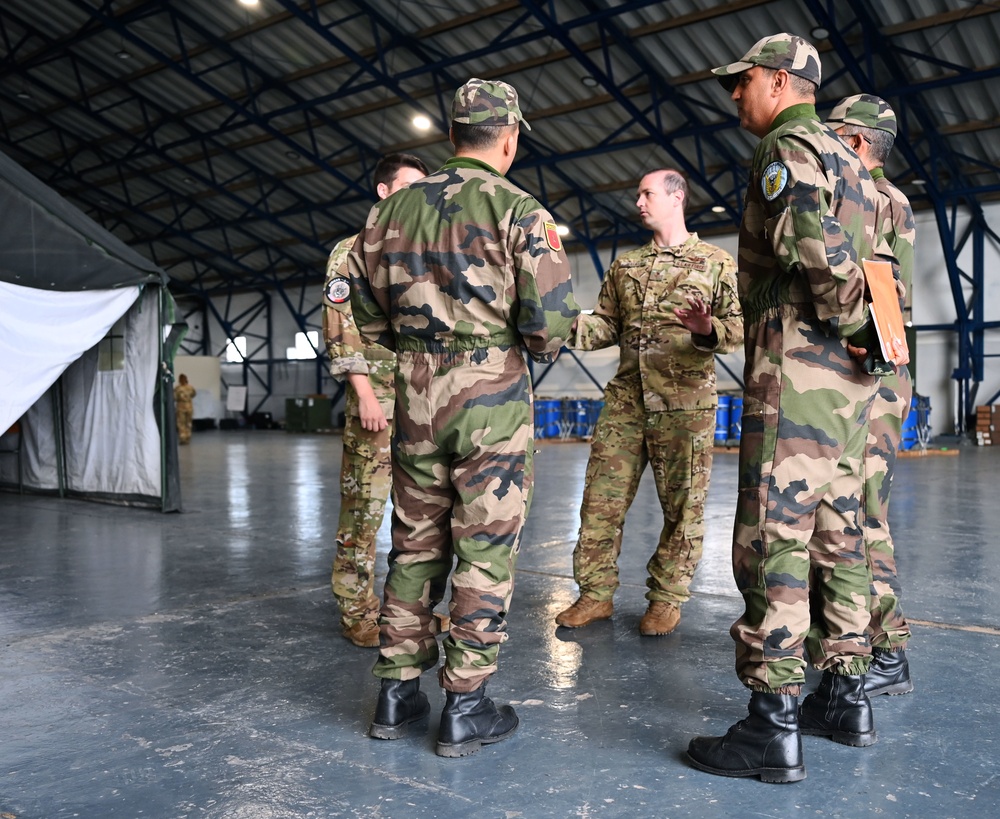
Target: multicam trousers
x=678, y=444
x=365, y=481
x=805, y=423
x=462, y=481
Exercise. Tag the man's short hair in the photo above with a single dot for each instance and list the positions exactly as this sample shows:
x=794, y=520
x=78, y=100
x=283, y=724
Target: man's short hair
x=673, y=180
x=478, y=137
x=391, y=164
x=881, y=142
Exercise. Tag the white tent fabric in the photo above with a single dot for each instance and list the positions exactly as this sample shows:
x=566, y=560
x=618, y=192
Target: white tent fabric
x=98, y=464
x=43, y=332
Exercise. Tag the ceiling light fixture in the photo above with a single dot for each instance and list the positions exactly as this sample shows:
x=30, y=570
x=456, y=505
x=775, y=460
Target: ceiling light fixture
x=589, y=81
x=24, y=95
x=122, y=54
x=562, y=230
x=249, y=2
x=291, y=154
x=188, y=180
x=920, y=182
x=421, y=122
x=718, y=209
x=820, y=33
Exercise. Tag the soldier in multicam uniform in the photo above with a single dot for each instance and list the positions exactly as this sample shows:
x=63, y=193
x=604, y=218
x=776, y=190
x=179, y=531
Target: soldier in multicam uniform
x=868, y=125
x=670, y=305
x=456, y=273
x=365, y=472
x=184, y=395
x=809, y=219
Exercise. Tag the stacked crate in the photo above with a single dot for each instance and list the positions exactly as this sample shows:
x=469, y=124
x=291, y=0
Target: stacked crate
x=987, y=419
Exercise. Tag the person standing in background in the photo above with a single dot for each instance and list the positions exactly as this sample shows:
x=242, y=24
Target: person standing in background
x=867, y=124
x=184, y=394
x=366, y=469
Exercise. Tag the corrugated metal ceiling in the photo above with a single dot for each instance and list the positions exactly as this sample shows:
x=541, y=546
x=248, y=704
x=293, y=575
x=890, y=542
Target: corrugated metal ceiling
x=234, y=145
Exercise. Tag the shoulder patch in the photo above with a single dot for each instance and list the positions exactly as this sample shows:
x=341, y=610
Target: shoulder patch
x=552, y=237
x=773, y=181
x=338, y=290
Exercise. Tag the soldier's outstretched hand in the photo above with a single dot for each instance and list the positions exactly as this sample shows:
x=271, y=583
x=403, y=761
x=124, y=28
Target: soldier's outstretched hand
x=697, y=318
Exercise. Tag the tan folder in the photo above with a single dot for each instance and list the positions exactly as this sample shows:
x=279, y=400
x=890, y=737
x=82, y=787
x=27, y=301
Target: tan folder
x=885, y=311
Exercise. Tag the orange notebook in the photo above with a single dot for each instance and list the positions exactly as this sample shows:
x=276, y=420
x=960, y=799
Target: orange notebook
x=885, y=311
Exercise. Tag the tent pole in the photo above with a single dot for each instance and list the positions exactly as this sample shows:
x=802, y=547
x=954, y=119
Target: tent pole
x=57, y=423
x=160, y=375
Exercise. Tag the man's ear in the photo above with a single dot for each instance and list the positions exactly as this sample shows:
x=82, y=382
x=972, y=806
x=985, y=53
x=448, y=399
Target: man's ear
x=780, y=80
x=382, y=190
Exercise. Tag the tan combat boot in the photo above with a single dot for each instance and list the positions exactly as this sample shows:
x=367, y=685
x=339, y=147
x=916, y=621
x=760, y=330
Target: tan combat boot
x=363, y=633
x=660, y=618
x=585, y=611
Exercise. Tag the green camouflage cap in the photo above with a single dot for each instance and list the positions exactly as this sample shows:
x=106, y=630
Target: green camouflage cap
x=865, y=111
x=796, y=55
x=486, y=102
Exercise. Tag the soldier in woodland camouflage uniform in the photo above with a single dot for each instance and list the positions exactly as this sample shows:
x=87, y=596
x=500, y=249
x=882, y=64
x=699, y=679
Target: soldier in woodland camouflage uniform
x=456, y=273
x=670, y=305
x=365, y=472
x=868, y=125
x=809, y=219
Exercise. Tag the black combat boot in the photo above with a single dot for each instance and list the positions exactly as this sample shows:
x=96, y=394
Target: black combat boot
x=400, y=702
x=839, y=709
x=766, y=744
x=470, y=721
x=889, y=673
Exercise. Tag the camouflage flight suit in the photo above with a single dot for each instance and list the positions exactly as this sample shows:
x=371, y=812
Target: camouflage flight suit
x=889, y=629
x=659, y=408
x=455, y=273
x=183, y=396
x=365, y=471
x=809, y=218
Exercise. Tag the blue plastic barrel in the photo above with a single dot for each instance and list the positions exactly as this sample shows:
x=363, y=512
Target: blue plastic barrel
x=735, y=417
x=576, y=417
x=546, y=419
x=722, y=419
x=595, y=408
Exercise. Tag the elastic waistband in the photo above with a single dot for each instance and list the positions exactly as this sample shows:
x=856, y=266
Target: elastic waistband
x=456, y=344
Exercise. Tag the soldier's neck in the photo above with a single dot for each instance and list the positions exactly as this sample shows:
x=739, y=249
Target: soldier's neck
x=673, y=237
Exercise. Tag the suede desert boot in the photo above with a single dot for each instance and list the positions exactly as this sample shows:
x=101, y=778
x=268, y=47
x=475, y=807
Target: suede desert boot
x=889, y=673
x=840, y=709
x=400, y=702
x=659, y=619
x=766, y=744
x=584, y=611
x=471, y=720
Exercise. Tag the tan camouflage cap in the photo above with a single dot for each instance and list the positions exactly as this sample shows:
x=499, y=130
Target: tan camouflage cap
x=486, y=102
x=794, y=54
x=866, y=111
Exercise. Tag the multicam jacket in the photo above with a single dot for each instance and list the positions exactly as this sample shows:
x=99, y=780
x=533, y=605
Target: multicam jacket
x=348, y=352
x=809, y=219
x=635, y=309
x=461, y=260
x=899, y=230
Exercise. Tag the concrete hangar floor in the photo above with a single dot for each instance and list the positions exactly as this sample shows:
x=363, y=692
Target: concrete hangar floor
x=191, y=665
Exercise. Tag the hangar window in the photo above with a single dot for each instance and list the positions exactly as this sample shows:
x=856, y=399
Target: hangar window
x=305, y=347
x=111, y=348
x=236, y=350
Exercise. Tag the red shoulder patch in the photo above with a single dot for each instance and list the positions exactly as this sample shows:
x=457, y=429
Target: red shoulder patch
x=552, y=237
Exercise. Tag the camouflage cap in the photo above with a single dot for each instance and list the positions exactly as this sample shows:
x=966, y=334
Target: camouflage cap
x=796, y=55
x=486, y=102
x=866, y=111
